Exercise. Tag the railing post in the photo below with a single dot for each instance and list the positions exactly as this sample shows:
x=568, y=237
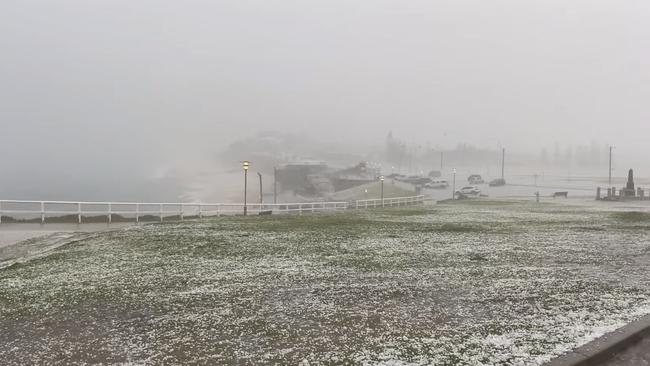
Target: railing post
x=218, y=212
x=200, y=211
x=137, y=213
x=42, y=212
x=161, y=212
x=79, y=212
x=0, y=212
x=110, y=213
x=181, y=212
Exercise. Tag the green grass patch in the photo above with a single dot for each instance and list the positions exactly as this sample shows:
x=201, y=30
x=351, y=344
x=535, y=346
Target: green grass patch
x=406, y=212
x=632, y=216
x=486, y=202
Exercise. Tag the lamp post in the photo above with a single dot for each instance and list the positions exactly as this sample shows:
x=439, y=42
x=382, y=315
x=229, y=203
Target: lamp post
x=382, y=190
x=453, y=187
x=275, y=185
x=246, y=164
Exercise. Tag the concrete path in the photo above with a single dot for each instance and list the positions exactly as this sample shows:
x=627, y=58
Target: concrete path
x=20, y=243
x=626, y=346
x=636, y=355
x=11, y=234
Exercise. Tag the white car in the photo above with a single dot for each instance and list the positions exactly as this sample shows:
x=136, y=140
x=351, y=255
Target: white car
x=437, y=184
x=469, y=191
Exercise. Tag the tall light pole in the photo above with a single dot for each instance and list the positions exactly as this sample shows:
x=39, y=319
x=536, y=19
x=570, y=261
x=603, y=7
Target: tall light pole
x=453, y=187
x=261, y=195
x=382, y=190
x=610, y=165
x=246, y=164
x=275, y=185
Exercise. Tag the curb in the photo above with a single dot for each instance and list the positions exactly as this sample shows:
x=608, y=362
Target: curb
x=603, y=348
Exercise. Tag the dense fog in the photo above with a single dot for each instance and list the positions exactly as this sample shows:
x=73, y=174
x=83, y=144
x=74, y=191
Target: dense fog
x=160, y=100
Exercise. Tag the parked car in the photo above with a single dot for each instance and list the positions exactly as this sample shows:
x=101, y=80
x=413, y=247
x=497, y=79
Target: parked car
x=469, y=191
x=437, y=184
x=475, y=179
x=417, y=180
x=498, y=182
x=422, y=181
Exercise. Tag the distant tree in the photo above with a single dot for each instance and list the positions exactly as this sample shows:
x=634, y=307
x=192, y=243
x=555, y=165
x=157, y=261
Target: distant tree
x=395, y=149
x=568, y=154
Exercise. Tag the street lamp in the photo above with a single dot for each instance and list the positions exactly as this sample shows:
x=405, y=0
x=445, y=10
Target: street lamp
x=453, y=187
x=246, y=164
x=382, y=190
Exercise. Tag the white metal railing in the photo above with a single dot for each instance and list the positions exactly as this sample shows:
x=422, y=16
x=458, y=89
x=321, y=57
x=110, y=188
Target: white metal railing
x=389, y=202
x=77, y=211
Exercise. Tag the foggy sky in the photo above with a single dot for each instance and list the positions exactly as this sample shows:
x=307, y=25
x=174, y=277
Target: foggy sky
x=96, y=86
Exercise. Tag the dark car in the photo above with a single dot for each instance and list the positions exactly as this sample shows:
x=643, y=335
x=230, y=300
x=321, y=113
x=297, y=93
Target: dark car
x=475, y=179
x=498, y=182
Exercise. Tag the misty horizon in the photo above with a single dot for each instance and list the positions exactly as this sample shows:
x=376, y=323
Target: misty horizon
x=96, y=96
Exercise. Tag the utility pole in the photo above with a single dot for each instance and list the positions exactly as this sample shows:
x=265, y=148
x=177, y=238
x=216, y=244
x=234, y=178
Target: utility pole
x=382, y=190
x=246, y=164
x=453, y=187
x=261, y=195
x=275, y=185
x=503, y=163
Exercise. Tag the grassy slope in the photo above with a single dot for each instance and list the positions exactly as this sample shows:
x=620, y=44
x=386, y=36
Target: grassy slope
x=455, y=284
x=374, y=191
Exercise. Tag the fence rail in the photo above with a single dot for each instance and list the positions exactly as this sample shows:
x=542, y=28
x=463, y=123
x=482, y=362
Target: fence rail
x=78, y=211
x=389, y=202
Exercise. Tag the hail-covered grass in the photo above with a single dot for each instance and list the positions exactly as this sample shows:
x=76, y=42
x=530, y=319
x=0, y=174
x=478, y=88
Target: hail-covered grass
x=475, y=284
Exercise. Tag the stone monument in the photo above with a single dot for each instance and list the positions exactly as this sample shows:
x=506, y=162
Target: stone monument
x=629, y=190
x=630, y=180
